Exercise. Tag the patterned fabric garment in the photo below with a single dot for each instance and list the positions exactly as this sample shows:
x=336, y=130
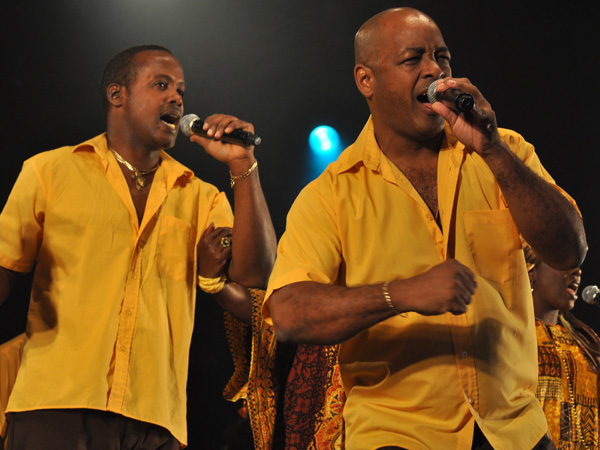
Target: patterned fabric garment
x=567, y=389
x=294, y=393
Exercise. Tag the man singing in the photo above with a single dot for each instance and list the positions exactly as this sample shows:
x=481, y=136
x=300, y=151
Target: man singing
x=406, y=251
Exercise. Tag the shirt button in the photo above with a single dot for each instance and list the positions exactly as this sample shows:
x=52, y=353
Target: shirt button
x=464, y=354
x=470, y=400
x=135, y=276
x=129, y=312
x=123, y=348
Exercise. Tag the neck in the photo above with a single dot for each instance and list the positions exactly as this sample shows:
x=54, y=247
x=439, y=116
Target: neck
x=543, y=310
x=548, y=317
x=141, y=158
x=396, y=146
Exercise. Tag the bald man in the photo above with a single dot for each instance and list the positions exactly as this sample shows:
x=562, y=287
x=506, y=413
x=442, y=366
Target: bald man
x=406, y=251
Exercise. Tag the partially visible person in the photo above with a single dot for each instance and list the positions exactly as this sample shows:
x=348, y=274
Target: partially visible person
x=568, y=357
x=112, y=227
x=10, y=359
x=292, y=394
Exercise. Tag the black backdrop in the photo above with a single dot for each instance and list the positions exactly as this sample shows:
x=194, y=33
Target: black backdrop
x=287, y=66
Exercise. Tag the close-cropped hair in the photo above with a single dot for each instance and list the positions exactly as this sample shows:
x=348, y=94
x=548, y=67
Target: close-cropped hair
x=122, y=70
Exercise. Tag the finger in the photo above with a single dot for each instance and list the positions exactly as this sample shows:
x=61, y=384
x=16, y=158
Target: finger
x=226, y=253
x=463, y=300
x=218, y=123
x=448, y=114
x=239, y=124
x=209, y=230
x=460, y=84
x=215, y=235
x=467, y=281
x=210, y=125
x=223, y=241
x=225, y=230
x=221, y=234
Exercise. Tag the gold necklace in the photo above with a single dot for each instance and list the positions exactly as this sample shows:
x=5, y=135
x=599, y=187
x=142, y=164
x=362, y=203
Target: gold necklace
x=138, y=175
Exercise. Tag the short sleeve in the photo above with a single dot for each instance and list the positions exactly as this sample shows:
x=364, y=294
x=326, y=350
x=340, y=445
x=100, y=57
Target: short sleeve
x=526, y=152
x=220, y=213
x=310, y=248
x=22, y=220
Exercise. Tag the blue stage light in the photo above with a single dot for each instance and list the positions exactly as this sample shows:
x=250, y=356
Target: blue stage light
x=324, y=139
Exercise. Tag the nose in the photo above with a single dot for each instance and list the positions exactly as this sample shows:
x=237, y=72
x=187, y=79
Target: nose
x=175, y=97
x=432, y=68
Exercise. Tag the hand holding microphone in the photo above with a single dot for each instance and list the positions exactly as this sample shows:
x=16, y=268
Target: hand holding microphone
x=192, y=124
x=461, y=100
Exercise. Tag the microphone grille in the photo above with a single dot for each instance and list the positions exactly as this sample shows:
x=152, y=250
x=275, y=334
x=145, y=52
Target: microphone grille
x=431, y=92
x=186, y=123
x=589, y=293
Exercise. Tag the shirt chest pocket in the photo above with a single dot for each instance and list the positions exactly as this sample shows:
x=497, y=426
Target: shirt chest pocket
x=175, y=250
x=495, y=245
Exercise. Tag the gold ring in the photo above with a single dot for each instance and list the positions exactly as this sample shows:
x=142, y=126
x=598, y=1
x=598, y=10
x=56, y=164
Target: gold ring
x=225, y=241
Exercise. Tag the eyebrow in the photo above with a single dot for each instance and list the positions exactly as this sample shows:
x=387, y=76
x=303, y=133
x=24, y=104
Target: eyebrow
x=168, y=77
x=422, y=49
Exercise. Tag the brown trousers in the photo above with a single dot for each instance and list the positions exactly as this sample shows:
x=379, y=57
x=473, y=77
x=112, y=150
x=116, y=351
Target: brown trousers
x=84, y=429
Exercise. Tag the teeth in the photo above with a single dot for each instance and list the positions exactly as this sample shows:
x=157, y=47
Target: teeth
x=170, y=125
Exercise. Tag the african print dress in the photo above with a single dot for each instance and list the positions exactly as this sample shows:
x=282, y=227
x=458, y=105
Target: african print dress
x=567, y=388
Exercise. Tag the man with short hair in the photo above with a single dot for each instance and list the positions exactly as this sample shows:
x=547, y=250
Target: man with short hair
x=406, y=250
x=112, y=226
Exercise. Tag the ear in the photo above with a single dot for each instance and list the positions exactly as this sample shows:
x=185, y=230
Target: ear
x=365, y=80
x=115, y=94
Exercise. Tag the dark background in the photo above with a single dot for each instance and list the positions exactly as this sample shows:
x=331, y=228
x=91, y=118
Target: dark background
x=287, y=66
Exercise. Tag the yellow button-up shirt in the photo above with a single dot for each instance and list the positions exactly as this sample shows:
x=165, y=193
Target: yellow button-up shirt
x=420, y=382
x=112, y=305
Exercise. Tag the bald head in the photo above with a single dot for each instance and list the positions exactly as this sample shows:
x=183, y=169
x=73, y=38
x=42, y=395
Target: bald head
x=372, y=34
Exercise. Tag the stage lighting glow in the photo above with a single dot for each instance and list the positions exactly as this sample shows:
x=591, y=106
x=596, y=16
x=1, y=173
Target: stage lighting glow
x=324, y=139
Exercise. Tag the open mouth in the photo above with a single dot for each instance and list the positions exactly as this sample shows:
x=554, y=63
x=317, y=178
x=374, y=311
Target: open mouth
x=170, y=120
x=423, y=98
x=572, y=288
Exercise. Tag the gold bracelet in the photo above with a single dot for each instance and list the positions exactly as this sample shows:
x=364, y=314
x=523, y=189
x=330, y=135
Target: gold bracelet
x=388, y=299
x=212, y=285
x=235, y=178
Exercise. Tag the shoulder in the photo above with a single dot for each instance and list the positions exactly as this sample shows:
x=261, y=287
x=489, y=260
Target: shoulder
x=516, y=142
x=52, y=158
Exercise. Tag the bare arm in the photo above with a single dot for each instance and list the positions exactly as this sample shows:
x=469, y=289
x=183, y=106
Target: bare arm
x=545, y=218
x=253, y=251
x=310, y=312
x=236, y=300
x=8, y=278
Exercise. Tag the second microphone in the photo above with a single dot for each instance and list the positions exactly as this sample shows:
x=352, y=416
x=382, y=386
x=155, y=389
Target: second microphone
x=192, y=124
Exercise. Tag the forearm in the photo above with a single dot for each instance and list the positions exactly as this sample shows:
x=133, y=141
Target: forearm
x=309, y=312
x=236, y=300
x=544, y=217
x=315, y=313
x=254, y=240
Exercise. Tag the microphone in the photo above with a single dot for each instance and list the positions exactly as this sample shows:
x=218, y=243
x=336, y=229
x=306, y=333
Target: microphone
x=464, y=102
x=192, y=124
x=591, y=295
